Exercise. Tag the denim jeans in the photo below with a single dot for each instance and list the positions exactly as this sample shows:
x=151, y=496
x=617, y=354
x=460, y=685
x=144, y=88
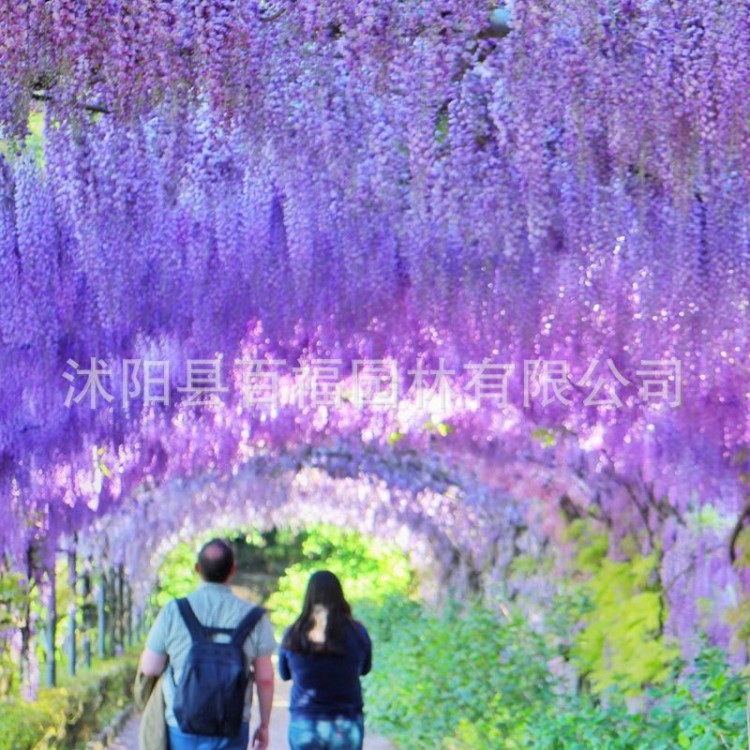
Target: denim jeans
x=178, y=740
x=342, y=733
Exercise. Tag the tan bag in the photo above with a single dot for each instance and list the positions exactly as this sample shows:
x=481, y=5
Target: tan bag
x=149, y=698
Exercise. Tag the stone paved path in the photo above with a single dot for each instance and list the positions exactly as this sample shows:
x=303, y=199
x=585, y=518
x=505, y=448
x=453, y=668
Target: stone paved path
x=128, y=738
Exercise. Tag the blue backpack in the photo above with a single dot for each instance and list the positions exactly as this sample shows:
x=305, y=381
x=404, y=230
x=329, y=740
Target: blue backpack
x=210, y=697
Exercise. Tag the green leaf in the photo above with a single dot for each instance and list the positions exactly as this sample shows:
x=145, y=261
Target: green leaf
x=395, y=437
x=545, y=437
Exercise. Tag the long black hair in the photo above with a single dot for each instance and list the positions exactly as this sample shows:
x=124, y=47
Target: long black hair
x=324, y=589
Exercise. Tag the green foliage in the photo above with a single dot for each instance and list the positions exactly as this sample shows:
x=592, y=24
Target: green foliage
x=72, y=713
x=13, y=601
x=621, y=610
x=441, y=128
x=440, y=428
x=270, y=551
x=34, y=141
x=433, y=672
x=546, y=438
x=177, y=576
x=742, y=547
x=706, y=517
x=620, y=643
x=592, y=544
x=471, y=679
x=369, y=570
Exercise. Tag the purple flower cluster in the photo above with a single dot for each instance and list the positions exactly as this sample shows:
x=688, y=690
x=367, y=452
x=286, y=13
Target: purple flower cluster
x=377, y=179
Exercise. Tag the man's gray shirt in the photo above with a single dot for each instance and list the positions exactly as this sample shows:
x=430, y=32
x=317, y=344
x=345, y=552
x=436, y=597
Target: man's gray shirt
x=215, y=606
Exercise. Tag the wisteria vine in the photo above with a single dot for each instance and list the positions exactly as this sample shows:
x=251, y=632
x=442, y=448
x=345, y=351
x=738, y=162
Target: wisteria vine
x=401, y=181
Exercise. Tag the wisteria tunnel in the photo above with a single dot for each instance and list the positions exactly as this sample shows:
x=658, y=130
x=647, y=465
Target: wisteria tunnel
x=449, y=273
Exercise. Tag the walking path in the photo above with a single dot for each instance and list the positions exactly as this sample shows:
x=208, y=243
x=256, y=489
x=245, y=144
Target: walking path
x=128, y=738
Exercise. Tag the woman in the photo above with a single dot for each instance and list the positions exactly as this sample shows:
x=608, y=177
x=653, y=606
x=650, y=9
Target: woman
x=324, y=653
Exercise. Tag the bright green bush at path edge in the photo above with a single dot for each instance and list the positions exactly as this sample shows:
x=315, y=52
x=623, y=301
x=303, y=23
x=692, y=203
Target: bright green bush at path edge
x=64, y=716
x=471, y=679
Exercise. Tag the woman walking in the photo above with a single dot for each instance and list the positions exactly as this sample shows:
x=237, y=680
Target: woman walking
x=324, y=653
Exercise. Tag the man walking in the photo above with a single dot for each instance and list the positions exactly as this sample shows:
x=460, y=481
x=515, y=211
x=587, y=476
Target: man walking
x=201, y=641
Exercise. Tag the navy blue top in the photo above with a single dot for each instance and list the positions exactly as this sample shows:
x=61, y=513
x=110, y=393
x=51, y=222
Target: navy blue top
x=325, y=686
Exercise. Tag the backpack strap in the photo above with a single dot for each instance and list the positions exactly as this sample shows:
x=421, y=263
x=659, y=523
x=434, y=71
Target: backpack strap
x=211, y=631
x=197, y=631
x=249, y=621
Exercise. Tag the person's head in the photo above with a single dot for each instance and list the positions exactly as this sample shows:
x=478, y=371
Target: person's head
x=216, y=562
x=323, y=590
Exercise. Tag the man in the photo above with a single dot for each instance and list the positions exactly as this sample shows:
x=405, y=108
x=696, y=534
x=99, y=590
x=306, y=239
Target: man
x=215, y=606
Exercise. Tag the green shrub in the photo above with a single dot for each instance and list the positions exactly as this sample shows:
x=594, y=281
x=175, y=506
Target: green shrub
x=470, y=679
x=72, y=713
x=621, y=611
